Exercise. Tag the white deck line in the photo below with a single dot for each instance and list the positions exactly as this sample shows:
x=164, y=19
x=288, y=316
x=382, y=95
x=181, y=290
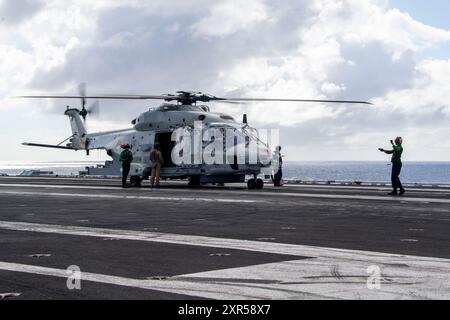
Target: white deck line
x=202, y=241
x=228, y=192
x=113, y=196
x=327, y=274
x=112, y=187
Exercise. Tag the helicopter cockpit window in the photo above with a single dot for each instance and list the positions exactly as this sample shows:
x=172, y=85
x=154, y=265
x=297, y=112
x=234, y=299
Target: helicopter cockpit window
x=253, y=134
x=237, y=131
x=226, y=117
x=221, y=131
x=175, y=107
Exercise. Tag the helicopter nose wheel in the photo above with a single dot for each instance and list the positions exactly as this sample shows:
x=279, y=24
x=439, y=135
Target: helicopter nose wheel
x=253, y=184
x=194, y=181
x=135, y=181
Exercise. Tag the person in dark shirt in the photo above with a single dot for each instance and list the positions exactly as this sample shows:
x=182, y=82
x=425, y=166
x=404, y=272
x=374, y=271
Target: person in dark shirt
x=397, y=150
x=126, y=157
x=279, y=173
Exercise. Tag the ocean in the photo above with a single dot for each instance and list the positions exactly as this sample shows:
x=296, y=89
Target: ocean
x=58, y=167
x=413, y=172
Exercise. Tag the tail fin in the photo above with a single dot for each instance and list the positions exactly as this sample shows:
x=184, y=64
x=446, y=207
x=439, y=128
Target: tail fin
x=78, y=129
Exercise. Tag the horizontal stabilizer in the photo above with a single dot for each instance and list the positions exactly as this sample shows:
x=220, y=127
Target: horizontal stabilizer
x=46, y=146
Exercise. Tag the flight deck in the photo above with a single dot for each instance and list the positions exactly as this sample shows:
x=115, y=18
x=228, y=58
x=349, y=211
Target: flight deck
x=175, y=242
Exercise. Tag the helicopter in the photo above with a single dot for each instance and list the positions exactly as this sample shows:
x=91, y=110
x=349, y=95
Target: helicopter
x=181, y=112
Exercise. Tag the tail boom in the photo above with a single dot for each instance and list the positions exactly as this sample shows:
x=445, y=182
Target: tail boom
x=79, y=134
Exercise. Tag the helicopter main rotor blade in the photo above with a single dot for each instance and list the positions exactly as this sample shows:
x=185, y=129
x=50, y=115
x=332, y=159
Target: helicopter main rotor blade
x=120, y=97
x=202, y=98
x=229, y=102
x=294, y=100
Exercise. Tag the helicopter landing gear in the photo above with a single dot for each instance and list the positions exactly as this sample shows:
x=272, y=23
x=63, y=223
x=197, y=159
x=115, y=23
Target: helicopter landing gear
x=135, y=181
x=255, y=183
x=259, y=184
x=251, y=184
x=194, y=181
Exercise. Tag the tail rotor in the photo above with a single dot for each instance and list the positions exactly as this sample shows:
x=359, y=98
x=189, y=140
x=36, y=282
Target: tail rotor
x=93, y=109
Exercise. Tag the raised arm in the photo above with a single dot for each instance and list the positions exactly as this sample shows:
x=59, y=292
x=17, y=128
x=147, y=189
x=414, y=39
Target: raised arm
x=387, y=151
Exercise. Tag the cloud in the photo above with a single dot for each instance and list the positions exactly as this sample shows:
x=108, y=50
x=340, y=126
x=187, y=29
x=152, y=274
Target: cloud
x=13, y=12
x=340, y=49
x=230, y=16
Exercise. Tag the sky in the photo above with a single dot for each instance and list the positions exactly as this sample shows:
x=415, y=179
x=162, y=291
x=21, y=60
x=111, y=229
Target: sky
x=393, y=53
x=433, y=13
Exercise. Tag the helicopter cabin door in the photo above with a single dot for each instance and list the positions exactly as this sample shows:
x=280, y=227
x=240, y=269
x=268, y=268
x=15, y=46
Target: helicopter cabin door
x=165, y=140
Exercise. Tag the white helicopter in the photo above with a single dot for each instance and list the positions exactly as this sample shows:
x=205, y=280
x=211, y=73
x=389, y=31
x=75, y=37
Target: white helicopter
x=158, y=125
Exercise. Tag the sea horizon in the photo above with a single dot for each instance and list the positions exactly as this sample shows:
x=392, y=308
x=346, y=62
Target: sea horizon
x=426, y=172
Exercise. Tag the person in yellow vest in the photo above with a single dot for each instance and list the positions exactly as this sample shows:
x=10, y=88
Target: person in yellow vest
x=157, y=160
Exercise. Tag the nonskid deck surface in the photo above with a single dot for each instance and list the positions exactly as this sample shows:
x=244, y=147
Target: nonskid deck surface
x=175, y=242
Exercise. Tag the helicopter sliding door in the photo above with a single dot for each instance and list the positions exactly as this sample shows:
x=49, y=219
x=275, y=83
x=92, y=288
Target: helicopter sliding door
x=165, y=140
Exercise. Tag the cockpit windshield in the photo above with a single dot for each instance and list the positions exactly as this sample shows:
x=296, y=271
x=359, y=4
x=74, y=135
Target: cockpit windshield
x=240, y=131
x=253, y=134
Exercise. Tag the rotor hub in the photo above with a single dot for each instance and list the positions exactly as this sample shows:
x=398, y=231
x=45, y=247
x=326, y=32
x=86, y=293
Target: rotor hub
x=190, y=97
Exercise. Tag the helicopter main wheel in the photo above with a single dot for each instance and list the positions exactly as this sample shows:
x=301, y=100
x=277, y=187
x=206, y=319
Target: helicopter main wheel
x=259, y=184
x=135, y=181
x=251, y=184
x=194, y=181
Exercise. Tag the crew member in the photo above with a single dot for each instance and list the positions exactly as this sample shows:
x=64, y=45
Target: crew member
x=397, y=150
x=157, y=160
x=126, y=157
x=279, y=174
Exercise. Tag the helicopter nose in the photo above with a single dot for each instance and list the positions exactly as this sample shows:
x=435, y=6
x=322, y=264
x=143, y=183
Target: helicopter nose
x=263, y=156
